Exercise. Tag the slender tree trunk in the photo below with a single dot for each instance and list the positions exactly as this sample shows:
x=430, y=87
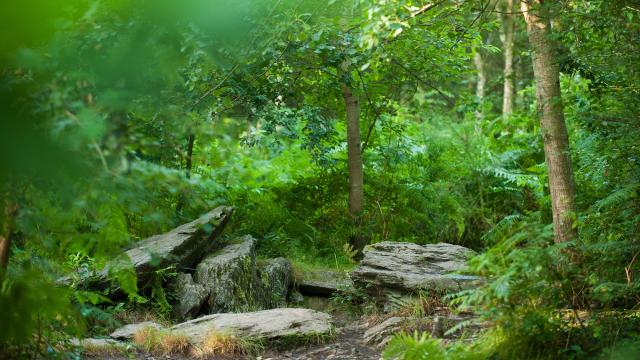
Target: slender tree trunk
x=552, y=124
x=190, y=141
x=356, y=177
x=481, y=82
x=508, y=27
x=189, y=166
x=6, y=228
x=5, y=246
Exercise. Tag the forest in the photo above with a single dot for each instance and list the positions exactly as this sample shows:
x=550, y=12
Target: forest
x=320, y=179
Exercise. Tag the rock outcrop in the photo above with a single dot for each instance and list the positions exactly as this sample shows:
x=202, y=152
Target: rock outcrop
x=230, y=280
x=182, y=247
x=230, y=276
x=393, y=269
x=266, y=324
x=321, y=282
x=189, y=296
x=276, y=277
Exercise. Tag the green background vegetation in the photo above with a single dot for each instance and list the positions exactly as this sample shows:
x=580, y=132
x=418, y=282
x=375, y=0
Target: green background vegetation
x=100, y=100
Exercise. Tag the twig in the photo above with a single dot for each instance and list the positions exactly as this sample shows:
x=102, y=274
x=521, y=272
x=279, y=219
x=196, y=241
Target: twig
x=93, y=141
x=233, y=69
x=417, y=77
x=373, y=107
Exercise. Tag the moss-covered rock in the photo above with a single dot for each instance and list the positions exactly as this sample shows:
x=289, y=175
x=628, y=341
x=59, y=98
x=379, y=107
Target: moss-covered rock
x=276, y=277
x=231, y=278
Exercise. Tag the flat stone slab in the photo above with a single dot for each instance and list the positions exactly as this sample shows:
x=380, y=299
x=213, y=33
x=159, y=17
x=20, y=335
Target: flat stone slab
x=266, y=324
x=183, y=246
x=128, y=331
x=322, y=282
x=411, y=267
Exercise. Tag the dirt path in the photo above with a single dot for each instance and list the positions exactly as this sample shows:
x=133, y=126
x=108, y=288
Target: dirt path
x=348, y=344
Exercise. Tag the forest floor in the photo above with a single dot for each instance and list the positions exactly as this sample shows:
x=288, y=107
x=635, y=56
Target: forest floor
x=347, y=344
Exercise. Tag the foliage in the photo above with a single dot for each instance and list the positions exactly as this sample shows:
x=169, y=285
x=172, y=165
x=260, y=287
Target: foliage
x=124, y=119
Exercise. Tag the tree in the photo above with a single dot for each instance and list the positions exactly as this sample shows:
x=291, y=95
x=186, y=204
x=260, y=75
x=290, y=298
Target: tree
x=354, y=154
x=506, y=36
x=550, y=111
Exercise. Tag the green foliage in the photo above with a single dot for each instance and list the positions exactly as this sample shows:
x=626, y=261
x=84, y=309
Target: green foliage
x=124, y=119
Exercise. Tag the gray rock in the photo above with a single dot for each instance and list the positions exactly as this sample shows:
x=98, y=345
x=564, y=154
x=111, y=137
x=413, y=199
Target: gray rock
x=323, y=282
x=266, y=324
x=410, y=267
x=188, y=296
x=128, y=331
x=231, y=279
x=276, y=276
x=295, y=297
x=183, y=246
x=380, y=334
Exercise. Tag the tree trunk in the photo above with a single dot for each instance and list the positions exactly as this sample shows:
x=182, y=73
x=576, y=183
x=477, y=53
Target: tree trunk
x=356, y=177
x=6, y=228
x=190, y=141
x=552, y=124
x=481, y=82
x=506, y=36
x=189, y=165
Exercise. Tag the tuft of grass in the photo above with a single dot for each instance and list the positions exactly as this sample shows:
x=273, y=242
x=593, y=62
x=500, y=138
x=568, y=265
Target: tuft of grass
x=218, y=343
x=104, y=351
x=161, y=342
x=294, y=340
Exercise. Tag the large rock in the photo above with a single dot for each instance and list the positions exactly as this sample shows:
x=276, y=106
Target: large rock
x=189, y=296
x=406, y=268
x=231, y=279
x=182, y=247
x=266, y=324
x=276, y=276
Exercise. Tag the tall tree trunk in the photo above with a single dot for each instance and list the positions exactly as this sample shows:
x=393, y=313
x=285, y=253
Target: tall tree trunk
x=481, y=82
x=356, y=177
x=550, y=111
x=189, y=166
x=6, y=228
x=190, y=141
x=506, y=36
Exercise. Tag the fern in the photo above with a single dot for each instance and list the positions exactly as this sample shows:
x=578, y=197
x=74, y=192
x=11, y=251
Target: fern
x=414, y=347
x=617, y=197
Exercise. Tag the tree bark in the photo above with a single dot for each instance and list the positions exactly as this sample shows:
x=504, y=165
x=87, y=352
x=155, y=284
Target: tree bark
x=189, y=165
x=190, y=141
x=550, y=111
x=356, y=177
x=481, y=82
x=508, y=27
x=6, y=228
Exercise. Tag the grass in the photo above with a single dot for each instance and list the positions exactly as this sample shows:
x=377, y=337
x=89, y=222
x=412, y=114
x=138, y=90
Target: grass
x=218, y=343
x=290, y=341
x=106, y=350
x=162, y=342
